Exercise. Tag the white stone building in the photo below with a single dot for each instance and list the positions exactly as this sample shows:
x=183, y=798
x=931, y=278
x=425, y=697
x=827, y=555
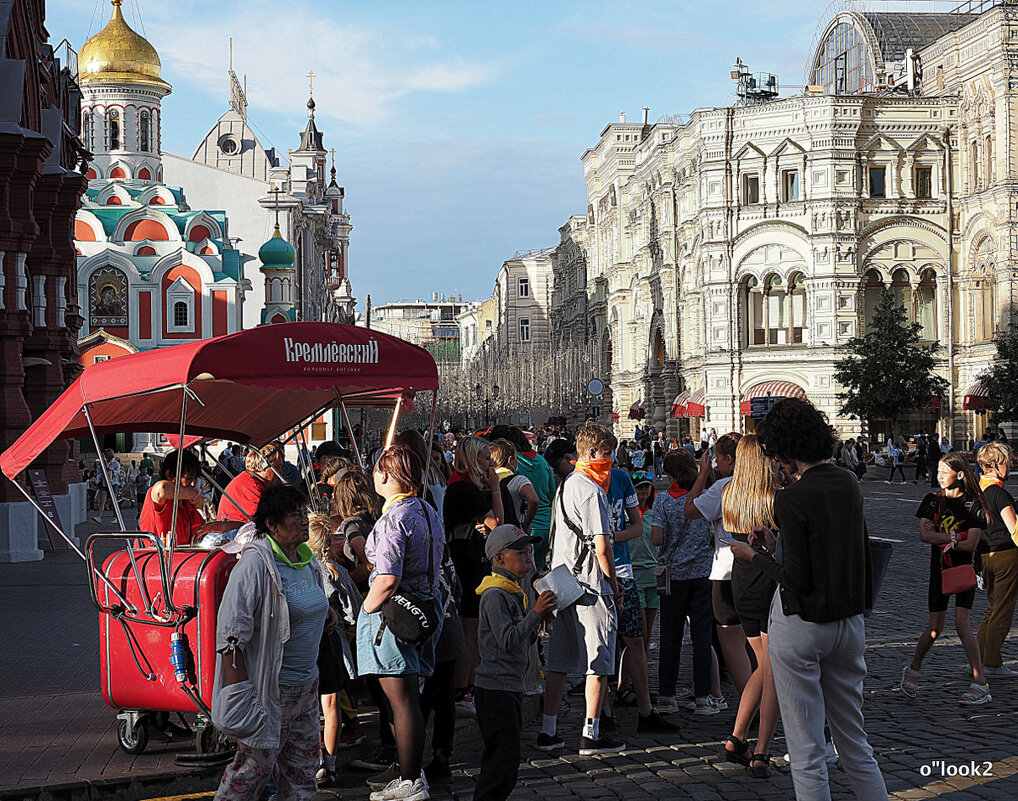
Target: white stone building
x=732, y=253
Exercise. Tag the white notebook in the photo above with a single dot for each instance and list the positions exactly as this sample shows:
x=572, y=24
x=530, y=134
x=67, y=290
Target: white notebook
x=563, y=583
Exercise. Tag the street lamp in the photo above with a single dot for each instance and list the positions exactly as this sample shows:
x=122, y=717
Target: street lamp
x=478, y=391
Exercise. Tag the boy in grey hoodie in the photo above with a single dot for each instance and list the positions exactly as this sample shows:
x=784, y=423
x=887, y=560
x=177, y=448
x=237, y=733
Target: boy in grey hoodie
x=505, y=629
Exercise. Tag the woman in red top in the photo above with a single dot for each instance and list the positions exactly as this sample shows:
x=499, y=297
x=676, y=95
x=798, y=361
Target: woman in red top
x=157, y=510
x=262, y=470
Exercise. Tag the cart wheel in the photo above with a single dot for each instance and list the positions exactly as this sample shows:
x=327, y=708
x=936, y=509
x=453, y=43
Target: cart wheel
x=133, y=739
x=210, y=741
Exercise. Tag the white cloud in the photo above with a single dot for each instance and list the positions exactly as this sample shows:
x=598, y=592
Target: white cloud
x=360, y=72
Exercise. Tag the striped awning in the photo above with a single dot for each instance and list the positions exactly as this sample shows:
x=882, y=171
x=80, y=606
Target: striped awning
x=977, y=399
x=774, y=389
x=636, y=411
x=679, y=404
x=696, y=406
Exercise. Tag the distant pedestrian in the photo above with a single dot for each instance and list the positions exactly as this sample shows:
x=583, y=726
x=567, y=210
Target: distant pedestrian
x=933, y=454
x=816, y=633
x=922, y=448
x=895, y=461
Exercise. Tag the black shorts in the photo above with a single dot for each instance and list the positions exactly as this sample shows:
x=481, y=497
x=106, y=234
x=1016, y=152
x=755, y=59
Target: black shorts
x=753, y=592
x=938, y=602
x=724, y=603
x=471, y=567
x=331, y=670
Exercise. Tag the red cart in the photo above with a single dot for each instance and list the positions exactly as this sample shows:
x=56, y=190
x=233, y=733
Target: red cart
x=158, y=601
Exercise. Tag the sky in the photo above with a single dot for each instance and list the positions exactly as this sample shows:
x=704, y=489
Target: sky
x=458, y=127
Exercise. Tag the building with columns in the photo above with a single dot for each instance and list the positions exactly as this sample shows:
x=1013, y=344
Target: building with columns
x=732, y=253
x=41, y=181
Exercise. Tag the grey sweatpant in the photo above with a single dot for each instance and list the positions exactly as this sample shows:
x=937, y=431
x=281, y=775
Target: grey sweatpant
x=818, y=670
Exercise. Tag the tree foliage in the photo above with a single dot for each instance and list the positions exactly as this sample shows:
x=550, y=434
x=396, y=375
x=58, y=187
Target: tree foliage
x=888, y=373
x=1000, y=381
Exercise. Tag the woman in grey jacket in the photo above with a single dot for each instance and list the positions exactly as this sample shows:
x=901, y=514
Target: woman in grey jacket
x=270, y=625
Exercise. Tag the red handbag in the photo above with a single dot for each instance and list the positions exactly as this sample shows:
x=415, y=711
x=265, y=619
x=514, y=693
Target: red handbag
x=957, y=579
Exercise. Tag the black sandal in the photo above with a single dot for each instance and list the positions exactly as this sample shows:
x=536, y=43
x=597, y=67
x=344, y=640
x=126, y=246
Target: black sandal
x=760, y=771
x=739, y=757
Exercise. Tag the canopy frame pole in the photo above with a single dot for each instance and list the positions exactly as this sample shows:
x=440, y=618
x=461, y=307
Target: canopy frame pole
x=105, y=469
x=431, y=435
x=53, y=525
x=349, y=431
x=293, y=430
x=307, y=469
x=207, y=475
x=392, y=426
x=171, y=535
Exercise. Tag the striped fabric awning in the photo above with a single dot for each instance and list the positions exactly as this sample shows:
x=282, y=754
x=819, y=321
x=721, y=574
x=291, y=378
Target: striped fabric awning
x=679, y=404
x=775, y=389
x=976, y=399
x=696, y=406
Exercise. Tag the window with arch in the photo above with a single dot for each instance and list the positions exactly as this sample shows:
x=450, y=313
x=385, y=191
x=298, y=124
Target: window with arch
x=86, y=130
x=974, y=165
x=114, y=119
x=144, y=139
x=776, y=311
x=873, y=287
x=844, y=62
x=988, y=160
x=918, y=299
x=926, y=304
x=180, y=315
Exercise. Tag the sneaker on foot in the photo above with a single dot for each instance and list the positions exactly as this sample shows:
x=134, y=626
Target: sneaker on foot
x=326, y=777
x=684, y=693
x=402, y=790
x=384, y=779
x=654, y=724
x=548, y=742
x=465, y=707
x=666, y=705
x=704, y=706
x=1000, y=672
x=380, y=759
x=605, y=744
x=720, y=702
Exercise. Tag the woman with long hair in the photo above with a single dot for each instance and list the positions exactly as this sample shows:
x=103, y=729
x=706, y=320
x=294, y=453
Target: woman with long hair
x=472, y=508
x=747, y=502
x=951, y=520
x=405, y=550
x=357, y=508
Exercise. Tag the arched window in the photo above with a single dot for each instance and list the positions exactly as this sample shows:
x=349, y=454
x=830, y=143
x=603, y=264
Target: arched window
x=844, y=64
x=180, y=314
x=872, y=290
x=797, y=307
x=143, y=132
x=114, y=117
x=926, y=304
x=974, y=165
x=901, y=288
x=776, y=315
x=988, y=309
x=988, y=160
x=86, y=130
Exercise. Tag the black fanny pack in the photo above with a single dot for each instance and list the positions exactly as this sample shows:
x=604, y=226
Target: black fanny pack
x=412, y=616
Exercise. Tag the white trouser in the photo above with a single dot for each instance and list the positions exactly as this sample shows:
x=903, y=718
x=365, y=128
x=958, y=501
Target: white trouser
x=818, y=671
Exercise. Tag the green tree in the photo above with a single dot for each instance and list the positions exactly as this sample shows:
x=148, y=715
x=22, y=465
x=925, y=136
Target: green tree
x=888, y=373
x=1001, y=379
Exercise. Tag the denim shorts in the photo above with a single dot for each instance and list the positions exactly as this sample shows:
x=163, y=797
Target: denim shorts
x=392, y=657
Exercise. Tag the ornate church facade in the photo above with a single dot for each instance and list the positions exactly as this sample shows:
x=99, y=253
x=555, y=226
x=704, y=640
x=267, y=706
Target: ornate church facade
x=729, y=255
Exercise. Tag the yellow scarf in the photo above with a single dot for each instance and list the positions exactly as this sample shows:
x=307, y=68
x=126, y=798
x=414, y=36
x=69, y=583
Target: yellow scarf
x=503, y=472
x=986, y=481
x=399, y=496
x=502, y=583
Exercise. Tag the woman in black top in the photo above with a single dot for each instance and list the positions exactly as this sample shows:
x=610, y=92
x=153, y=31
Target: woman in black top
x=1000, y=558
x=951, y=521
x=816, y=635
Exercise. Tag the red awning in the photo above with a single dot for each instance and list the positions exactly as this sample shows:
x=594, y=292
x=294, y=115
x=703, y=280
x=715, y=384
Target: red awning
x=775, y=389
x=248, y=387
x=637, y=412
x=696, y=406
x=679, y=404
x=976, y=399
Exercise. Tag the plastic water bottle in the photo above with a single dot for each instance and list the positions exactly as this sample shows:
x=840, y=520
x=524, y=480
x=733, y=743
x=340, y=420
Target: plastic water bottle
x=178, y=657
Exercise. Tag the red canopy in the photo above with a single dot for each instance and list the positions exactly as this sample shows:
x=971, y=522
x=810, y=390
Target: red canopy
x=249, y=387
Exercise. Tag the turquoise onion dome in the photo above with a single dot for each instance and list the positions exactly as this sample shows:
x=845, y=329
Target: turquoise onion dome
x=277, y=252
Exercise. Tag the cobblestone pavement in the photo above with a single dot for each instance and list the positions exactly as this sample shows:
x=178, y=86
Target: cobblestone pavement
x=55, y=727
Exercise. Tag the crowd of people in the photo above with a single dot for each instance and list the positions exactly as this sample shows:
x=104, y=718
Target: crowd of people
x=454, y=577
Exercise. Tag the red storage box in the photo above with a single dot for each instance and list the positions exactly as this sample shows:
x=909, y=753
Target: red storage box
x=198, y=579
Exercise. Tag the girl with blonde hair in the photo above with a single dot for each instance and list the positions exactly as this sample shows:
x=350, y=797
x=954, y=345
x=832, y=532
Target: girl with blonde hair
x=748, y=502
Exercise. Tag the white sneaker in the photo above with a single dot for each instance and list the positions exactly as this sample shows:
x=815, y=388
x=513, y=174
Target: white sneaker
x=684, y=693
x=667, y=705
x=704, y=706
x=720, y=702
x=1002, y=672
x=402, y=790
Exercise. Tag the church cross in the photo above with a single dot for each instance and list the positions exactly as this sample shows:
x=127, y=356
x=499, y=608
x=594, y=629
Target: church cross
x=311, y=82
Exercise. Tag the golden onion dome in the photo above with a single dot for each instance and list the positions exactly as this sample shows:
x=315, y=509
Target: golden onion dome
x=118, y=54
